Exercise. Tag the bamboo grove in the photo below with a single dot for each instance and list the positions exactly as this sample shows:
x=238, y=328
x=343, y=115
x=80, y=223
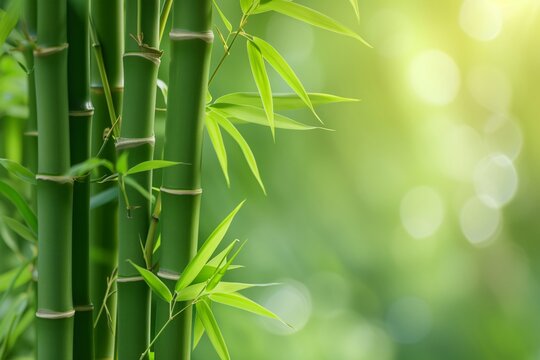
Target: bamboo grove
x=98, y=237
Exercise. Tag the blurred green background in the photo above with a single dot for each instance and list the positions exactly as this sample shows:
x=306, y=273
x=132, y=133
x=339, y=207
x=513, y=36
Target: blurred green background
x=411, y=232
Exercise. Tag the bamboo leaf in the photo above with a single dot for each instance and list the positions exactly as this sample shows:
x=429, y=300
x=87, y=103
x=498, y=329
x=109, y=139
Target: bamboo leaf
x=356, y=8
x=150, y=165
x=17, y=276
x=89, y=165
x=309, y=16
x=244, y=146
x=224, y=19
x=157, y=286
x=122, y=163
x=248, y=6
x=212, y=329
x=19, y=171
x=194, y=291
x=198, y=330
x=135, y=185
x=104, y=197
x=217, y=142
x=263, y=83
x=18, y=201
x=164, y=89
x=282, y=101
x=277, y=61
x=20, y=229
x=208, y=271
x=241, y=302
x=9, y=18
x=223, y=269
x=254, y=115
x=205, y=252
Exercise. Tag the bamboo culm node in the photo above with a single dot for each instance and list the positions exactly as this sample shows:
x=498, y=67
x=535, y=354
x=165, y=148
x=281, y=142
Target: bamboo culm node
x=181, y=34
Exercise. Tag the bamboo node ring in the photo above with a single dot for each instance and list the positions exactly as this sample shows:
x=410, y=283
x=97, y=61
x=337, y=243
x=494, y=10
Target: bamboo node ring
x=129, y=279
x=125, y=143
x=56, y=178
x=81, y=308
x=169, y=275
x=45, y=51
x=146, y=55
x=180, y=191
x=81, y=113
x=180, y=34
x=53, y=315
x=30, y=133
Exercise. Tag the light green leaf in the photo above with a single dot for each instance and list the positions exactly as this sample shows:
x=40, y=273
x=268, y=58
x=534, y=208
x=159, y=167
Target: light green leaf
x=255, y=115
x=241, y=302
x=20, y=203
x=310, y=16
x=89, y=165
x=277, y=61
x=248, y=5
x=19, y=171
x=191, y=292
x=17, y=276
x=217, y=142
x=214, y=334
x=154, y=283
x=205, y=252
x=104, y=197
x=151, y=165
x=9, y=18
x=244, y=146
x=198, y=330
x=20, y=229
x=226, y=22
x=135, y=185
x=122, y=163
x=263, y=83
x=223, y=269
x=282, y=101
x=356, y=8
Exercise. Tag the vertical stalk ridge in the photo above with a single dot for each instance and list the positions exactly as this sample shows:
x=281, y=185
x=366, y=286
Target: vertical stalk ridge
x=54, y=190
x=107, y=16
x=80, y=118
x=141, y=64
x=191, y=39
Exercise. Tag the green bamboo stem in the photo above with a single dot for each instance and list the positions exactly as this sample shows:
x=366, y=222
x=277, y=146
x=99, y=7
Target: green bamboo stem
x=80, y=118
x=54, y=192
x=107, y=18
x=141, y=63
x=191, y=39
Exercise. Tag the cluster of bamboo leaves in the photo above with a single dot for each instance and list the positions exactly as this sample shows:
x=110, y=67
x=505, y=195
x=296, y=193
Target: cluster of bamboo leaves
x=201, y=283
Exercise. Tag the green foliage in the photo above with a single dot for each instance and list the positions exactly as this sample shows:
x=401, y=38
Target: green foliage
x=20, y=203
x=9, y=18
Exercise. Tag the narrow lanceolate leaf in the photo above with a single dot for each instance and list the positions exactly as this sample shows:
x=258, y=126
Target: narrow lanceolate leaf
x=255, y=115
x=212, y=329
x=277, y=61
x=244, y=146
x=150, y=165
x=20, y=203
x=198, y=330
x=224, y=19
x=205, y=252
x=20, y=229
x=195, y=291
x=157, y=286
x=263, y=83
x=241, y=302
x=19, y=171
x=282, y=101
x=208, y=271
x=135, y=185
x=248, y=5
x=16, y=277
x=356, y=8
x=89, y=165
x=104, y=197
x=9, y=18
x=223, y=269
x=163, y=88
x=309, y=16
x=217, y=142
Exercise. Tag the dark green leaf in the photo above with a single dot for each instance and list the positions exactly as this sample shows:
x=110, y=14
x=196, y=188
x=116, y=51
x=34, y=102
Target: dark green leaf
x=308, y=15
x=19, y=171
x=205, y=252
x=157, y=286
x=212, y=329
x=20, y=203
x=263, y=83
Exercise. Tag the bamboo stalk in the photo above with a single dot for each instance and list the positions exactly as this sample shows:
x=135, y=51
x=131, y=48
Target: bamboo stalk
x=191, y=39
x=141, y=63
x=54, y=191
x=107, y=18
x=80, y=118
